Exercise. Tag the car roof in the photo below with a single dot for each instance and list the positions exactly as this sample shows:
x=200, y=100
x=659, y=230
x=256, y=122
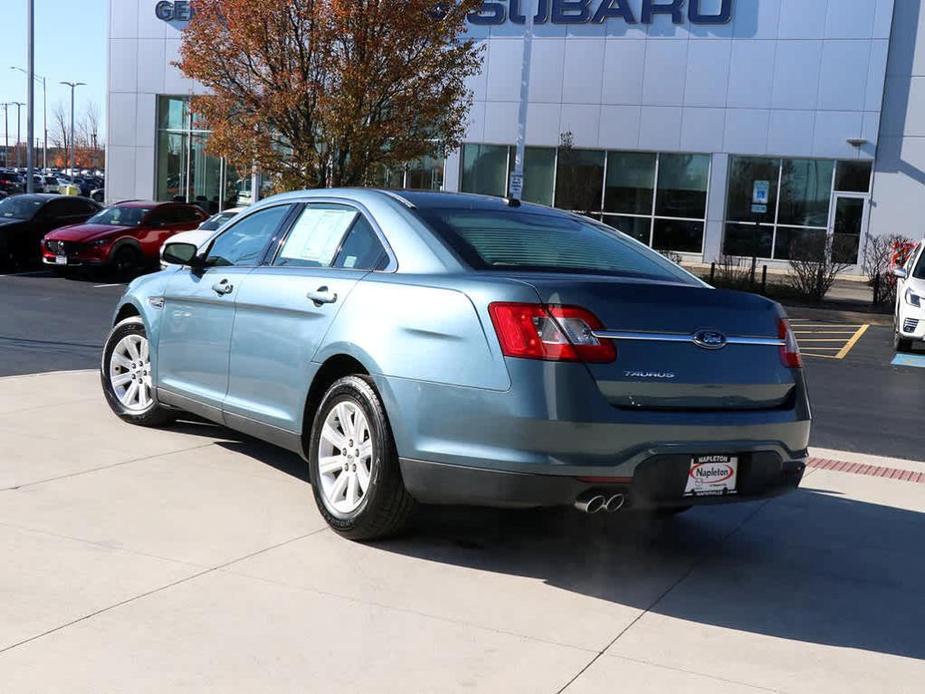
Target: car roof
x=421, y=199
x=144, y=203
x=44, y=197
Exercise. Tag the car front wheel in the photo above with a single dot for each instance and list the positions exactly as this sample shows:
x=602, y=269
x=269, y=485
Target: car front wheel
x=126, y=376
x=353, y=463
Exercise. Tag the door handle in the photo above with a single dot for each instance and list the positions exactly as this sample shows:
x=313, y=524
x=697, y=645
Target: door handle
x=222, y=288
x=322, y=295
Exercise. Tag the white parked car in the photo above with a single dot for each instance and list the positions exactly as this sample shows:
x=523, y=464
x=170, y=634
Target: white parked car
x=909, y=320
x=205, y=233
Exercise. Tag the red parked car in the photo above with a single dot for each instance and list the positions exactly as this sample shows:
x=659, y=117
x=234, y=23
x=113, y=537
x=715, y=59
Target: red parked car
x=126, y=237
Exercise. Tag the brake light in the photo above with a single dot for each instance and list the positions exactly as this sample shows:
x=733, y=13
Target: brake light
x=790, y=350
x=550, y=333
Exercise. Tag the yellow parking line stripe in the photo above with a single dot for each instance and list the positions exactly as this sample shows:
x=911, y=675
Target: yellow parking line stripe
x=819, y=356
x=852, y=342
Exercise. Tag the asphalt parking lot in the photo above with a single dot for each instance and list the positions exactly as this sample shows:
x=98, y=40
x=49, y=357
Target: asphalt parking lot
x=193, y=559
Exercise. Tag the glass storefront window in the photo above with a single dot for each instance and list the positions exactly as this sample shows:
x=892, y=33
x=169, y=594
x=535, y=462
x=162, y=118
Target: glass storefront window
x=748, y=240
x=682, y=188
x=484, y=169
x=640, y=228
x=205, y=176
x=425, y=174
x=853, y=176
x=580, y=179
x=805, y=192
x=797, y=223
x=172, y=155
x=658, y=199
x=539, y=173
x=849, y=221
x=796, y=243
x=173, y=113
x=630, y=183
x=743, y=172
x=677, y=235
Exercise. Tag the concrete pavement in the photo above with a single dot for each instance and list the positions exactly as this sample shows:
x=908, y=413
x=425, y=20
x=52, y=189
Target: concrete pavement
x=193, y=560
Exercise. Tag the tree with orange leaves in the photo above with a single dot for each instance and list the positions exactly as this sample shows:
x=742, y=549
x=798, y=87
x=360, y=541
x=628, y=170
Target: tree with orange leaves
x=322, y=93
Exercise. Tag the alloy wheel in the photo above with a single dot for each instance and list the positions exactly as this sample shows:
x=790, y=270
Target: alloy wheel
x=345, y=458
x=130, y=372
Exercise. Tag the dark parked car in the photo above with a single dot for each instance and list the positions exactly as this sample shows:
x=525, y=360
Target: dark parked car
x=10, y=183
x=25, y=219
x=126, y=237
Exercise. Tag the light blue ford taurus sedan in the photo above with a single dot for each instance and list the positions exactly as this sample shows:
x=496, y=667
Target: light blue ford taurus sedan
x=442, y=348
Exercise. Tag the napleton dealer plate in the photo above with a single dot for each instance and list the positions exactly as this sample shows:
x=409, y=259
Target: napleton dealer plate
x=712, y=475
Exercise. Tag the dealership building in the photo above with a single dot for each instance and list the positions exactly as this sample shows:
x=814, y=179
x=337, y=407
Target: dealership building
x=700, y=127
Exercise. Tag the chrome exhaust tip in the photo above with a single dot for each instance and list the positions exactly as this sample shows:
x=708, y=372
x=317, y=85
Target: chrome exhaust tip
x=615, y=503
x=590, y=503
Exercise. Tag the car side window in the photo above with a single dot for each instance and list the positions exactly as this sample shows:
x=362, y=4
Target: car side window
x=316, y=235
x=245, y=242
x=362, y=249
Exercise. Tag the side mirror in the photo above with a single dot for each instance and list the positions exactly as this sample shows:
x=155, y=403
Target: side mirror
x=182, y=254
x=900, y=273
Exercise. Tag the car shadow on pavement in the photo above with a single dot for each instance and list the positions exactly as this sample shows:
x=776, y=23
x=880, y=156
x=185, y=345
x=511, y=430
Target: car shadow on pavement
x=813, y=567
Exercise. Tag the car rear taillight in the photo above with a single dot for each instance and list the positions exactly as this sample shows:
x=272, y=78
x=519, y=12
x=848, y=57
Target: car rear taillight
x=550, y=333
x=790, y=350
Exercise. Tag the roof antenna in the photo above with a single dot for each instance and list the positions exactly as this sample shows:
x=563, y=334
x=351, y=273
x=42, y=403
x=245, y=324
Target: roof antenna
x=511, y=202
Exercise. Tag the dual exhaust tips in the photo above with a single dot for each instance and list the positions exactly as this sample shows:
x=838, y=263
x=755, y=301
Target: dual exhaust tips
x=592, y=502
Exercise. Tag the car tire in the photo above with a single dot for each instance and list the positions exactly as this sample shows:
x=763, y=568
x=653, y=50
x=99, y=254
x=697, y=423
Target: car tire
x=126, y=262
x=127, y=339
x=900, y=343
x=383, y=507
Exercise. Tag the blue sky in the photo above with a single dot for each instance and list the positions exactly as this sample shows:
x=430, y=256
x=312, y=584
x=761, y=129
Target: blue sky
x=70, y=44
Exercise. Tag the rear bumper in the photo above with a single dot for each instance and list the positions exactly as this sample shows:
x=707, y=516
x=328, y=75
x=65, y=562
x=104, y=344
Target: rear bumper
x=658, y=482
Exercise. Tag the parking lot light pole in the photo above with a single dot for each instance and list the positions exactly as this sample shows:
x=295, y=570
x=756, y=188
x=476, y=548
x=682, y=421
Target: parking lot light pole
x=515, y=185
x=44, y=113
x=18, y=105
x=6, y=131
x=73, y=86
x=30, y=98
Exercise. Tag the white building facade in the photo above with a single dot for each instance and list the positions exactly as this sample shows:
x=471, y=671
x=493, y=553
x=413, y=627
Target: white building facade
x=698, y=126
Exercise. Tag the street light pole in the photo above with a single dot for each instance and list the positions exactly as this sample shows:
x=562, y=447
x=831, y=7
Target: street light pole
x=515, y=185
x=18, y=105
x=44, y=112
x=30, y=99
x=6, y=130
x=73, y=86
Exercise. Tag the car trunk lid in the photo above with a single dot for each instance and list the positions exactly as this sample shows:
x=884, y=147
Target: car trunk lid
x=680, y=347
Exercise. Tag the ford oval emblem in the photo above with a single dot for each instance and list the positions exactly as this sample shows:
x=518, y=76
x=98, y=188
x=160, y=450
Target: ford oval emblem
x=709, y=339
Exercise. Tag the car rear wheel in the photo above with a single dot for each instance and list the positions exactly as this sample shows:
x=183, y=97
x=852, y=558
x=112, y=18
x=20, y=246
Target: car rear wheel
x=353, y=463
x=126, y=376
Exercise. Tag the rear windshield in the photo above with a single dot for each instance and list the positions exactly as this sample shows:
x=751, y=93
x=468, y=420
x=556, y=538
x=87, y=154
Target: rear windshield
x=522, y=241
x=121, y=216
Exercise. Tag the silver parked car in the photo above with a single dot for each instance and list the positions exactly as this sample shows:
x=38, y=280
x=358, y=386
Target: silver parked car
x=448, y=348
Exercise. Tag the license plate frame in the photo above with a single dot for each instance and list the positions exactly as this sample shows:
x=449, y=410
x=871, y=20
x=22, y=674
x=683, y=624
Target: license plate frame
x=712, y=475
x=60, y=259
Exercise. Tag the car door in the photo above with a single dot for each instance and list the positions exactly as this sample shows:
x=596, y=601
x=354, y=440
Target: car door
x=198, y=313
x=286, y=307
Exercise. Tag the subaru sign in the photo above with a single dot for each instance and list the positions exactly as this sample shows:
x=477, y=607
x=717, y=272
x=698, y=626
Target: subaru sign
x=493, y=12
